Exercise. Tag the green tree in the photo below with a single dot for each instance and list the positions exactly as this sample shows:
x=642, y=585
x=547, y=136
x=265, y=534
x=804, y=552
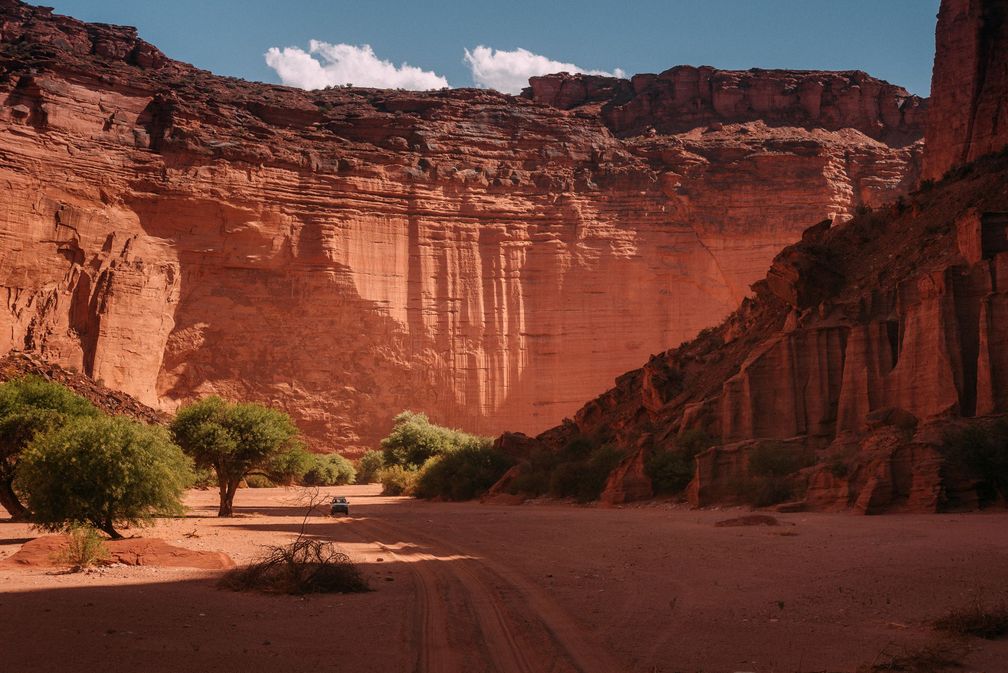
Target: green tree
x=368, y=467
x=31, y=406
x=414, y=439
x=103, y=471
x=329, y=469
x=237, y=440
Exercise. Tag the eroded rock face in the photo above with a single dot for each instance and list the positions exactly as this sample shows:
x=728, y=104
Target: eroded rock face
x=969, y=86
x=346, y=254
x=864, y=372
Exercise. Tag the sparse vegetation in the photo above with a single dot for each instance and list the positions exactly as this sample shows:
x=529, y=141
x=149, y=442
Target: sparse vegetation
x=305, y=566
x=770, y=478
x=329, y=469
x=29, y=407
x=672, y=469
x=462, y=473
x=100, y=472
x=982, y=450
x=85, y=548
x=397, y=480
x=237, y=440
x=368, y=467
x=578, y=471
x=976, y=619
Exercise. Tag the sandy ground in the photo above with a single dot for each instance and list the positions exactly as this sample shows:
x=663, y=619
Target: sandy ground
x=552, y=588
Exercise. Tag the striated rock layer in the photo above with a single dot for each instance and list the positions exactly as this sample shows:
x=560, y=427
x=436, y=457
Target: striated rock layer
x=865, y=342
x=345, y=254
x=969, y=84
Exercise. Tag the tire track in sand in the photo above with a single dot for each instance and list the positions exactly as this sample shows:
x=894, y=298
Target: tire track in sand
x=434, y=651
x=510, y=652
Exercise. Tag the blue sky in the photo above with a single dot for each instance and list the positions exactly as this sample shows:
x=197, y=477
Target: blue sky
x=891, y=39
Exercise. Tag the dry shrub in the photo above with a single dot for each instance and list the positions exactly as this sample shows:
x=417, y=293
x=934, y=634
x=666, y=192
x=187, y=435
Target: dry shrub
x=85, y=548
x=305, y=566
x=976, y=619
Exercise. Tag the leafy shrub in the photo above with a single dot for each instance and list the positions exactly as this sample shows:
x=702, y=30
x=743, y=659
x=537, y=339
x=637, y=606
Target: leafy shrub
x=85, y=548
x=203, y=478
x=672, y=469
x=99, y=471
x=983, y=451
x=397, y=480
x=770, y=475
x=258, y=481
x=329, y=470
x=463, y=473
x=976, y=619
x=579, y=471
x=31, y=406
x=368, y=467
x=414, y=439
x=306, y=566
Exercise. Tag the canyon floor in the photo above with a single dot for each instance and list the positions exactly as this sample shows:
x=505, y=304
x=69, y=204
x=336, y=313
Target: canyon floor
x=539, y=587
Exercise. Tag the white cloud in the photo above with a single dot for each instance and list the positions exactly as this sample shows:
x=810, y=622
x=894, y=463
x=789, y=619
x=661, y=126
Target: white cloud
x=327, y=64
x=509, y=71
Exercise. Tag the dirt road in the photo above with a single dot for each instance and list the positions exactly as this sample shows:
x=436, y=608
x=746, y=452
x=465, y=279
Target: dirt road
x=536, y=588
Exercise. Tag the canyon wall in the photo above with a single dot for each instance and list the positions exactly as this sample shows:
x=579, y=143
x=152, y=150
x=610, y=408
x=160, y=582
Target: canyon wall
x=345, y=254
x=969, y=85
x=865, y=342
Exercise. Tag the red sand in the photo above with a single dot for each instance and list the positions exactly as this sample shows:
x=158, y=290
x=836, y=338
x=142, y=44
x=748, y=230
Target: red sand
x=553, y=588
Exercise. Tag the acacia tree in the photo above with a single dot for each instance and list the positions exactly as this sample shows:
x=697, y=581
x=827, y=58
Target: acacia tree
x=101, y=471
x=29, y=407
x=238, y=440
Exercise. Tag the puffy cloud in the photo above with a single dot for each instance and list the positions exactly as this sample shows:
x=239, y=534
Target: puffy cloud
x=327, y=64
x=509, y=71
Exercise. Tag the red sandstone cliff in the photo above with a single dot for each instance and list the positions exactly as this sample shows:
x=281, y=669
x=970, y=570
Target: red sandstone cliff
x=346, y=254
x=864, y=342
x=969, y=86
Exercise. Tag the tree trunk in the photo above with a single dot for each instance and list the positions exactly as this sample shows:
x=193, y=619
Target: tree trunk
x=10, y=501
x=227, y=494
x=107, y=528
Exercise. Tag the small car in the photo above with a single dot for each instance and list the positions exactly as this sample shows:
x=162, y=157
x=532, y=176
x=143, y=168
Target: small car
x=340, y=505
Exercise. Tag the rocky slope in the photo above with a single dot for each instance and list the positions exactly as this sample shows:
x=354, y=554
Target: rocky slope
x=345, y=254
x=863, y=345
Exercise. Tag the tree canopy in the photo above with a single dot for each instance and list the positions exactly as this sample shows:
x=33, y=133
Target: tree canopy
x=414, y=439
x=31, y=406
x=237, y=440
x=103, y=471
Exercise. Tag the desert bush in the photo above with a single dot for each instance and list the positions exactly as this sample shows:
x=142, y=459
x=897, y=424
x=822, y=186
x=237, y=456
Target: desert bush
x=237, y=440
x=414, y=439
x=976, y=619
x=462, y=473
x=368, y=467
x=770, y=475
x=982, y=450
x=579, y=470
x=100, y=471
x=330, y=469
x=203, y=478
x=397, y=480
x=305, y=566
x=31, y=406
x=85, y=548
x=672, y=469
x=257, y=481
